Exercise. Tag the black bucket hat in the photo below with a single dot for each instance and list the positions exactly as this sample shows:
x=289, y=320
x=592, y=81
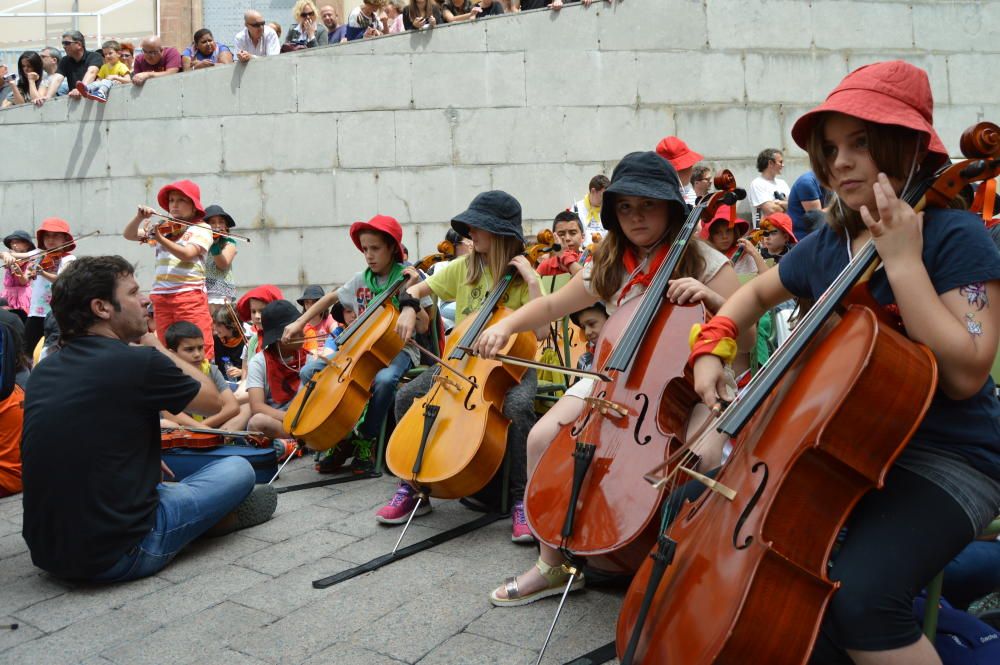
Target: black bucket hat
x=215, y=210
x=311, y=292
x=642, y=174
x=494, y=211
x=19, y=235
x=273, y=319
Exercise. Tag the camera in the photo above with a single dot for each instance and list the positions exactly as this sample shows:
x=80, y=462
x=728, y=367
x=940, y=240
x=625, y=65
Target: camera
x=10, y=77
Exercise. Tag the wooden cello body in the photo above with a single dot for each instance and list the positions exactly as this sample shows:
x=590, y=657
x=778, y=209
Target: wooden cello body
x=748, y=581
x=451, y=442
x=328, y=407
x=616, y=518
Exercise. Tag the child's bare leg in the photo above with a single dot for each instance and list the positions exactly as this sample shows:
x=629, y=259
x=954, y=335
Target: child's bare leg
x=238, y=423
x=271, y=427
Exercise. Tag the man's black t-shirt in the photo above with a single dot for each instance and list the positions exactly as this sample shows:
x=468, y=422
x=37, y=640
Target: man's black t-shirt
x=535, y=4
x=75, y=71
x=91, y=451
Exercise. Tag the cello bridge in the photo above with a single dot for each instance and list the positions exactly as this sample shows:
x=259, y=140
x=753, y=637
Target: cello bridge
x=607, y=407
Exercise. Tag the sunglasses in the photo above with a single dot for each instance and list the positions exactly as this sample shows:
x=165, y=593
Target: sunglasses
x=256, y=25
x=68, y=43
x=306, y=14
x=768, y=234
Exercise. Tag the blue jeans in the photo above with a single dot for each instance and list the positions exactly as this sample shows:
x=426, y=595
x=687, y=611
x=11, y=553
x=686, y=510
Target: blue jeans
x=309, y=369
x=187, y=509
x=972, y=574
x=384, y=394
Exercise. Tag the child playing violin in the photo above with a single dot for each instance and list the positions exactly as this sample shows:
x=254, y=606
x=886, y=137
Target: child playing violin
x=643, y=211
x=568, y=228
x=866, y=142
x=493, y=222
x=229, y=344
x=380, y=239
x=777, y=238
x=178, y=292
x=16, y=284
x=725, y=232
x=185, y=339
x=53, y=233
x=219, y=264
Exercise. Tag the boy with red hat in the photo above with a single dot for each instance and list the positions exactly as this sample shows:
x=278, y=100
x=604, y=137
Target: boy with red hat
x=380, y=239
x=178, y=292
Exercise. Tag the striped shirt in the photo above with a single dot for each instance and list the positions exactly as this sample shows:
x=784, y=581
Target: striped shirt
x=176, y=276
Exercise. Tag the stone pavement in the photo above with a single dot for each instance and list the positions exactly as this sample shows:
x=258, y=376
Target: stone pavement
x=248, y=598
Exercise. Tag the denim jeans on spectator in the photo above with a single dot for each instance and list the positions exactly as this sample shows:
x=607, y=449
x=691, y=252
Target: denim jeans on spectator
x=63, y=88
x=384, y=394
x=972, y=574
x=187, y=509
x=310, y=368
x=100, y=88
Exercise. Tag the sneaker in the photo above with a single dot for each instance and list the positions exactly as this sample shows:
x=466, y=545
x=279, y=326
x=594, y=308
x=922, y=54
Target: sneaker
x=398, y=510
x=255, y=509
x=84, y=92
x=362, y=464
x=332, y=460
x=520, y=533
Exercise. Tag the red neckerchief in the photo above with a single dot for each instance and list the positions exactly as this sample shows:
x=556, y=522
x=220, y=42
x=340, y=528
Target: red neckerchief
x=632, y=264
x=283, y=376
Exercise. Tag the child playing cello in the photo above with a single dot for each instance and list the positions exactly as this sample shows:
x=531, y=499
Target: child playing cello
x=865, y=143
x=643, y=210
x=493, y=222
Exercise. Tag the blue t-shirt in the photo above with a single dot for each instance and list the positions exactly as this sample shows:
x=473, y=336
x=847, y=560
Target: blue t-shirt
x=957, y=251
x=805, y=188
x=195, y=54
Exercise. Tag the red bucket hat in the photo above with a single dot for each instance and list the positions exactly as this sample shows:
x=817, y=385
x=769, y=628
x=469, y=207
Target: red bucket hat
x=782, y=222
x=677, y=153
x=385, y=224
x=726, y=214
x=267, y=293
x=55, y=225
x=188, y=189
x=889, y=93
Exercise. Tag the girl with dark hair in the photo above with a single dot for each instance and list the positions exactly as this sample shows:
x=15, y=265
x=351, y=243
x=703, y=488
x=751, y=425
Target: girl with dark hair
x=866, y=143
x=31, y=79
x=205, y=52
x=643, y=211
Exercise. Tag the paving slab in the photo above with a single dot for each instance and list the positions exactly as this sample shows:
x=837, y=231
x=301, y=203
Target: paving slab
x=206, y=553
x=459, y=649
x=284, y=556
x=86, y=601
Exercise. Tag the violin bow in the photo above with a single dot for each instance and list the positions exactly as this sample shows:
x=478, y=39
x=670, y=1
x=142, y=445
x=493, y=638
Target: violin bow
x=181, y=221
x=236, y=320
x=534, y=364
x=209, y=430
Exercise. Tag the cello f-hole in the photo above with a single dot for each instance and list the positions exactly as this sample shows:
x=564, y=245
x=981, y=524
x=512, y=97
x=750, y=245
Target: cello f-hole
x=345, y=373
x=641, y=419
x=750, y=506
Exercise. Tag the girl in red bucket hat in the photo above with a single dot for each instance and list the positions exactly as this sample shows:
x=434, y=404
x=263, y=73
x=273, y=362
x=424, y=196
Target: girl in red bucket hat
x=868, y=142
x=53, y=232
x=725, y=232
x=178, y=292
x=380, y=240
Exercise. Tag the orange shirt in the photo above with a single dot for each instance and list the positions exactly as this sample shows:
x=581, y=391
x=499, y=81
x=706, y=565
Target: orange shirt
x=11, y=422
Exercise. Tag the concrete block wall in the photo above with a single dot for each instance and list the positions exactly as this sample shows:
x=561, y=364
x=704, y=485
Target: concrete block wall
x=299, y=146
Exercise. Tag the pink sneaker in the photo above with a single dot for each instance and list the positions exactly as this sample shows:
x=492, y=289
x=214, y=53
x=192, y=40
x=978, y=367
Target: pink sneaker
x=398, y=510
x=520, y=533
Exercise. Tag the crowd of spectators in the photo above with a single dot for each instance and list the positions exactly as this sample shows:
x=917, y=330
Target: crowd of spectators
x=79, y=73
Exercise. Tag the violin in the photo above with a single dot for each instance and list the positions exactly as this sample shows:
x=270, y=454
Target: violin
x=48, y=260
x=445, y=252
x=583, y=498
x=205, y=437
x=451, y=442
x=173, y=229
x=330, y=404
x=754, y=558
x=754, y=236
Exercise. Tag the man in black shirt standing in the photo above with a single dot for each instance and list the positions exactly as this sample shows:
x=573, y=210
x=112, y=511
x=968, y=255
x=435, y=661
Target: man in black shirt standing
x=78, y=64
x=94, y=506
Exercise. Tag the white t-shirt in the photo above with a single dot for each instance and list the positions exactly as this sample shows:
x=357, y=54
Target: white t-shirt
x=763, y=190
x=257, y=378
x=41, y=290
x=269, y=43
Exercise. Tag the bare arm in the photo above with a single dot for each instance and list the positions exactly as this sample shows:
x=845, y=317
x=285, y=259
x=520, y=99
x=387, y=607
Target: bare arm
x=131, y=230
x=90, y=76
x=229, y=410
x=182, y=252
x=207, y=402
x=258, y=404
x=294, y=329
x=224, y=259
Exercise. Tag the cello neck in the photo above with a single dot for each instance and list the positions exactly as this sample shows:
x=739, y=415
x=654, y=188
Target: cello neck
x=627, y=347
x=860, y=266
x=485, y=313
x=370, y=310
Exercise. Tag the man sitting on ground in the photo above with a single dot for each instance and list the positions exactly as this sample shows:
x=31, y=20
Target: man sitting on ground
x=94, y=506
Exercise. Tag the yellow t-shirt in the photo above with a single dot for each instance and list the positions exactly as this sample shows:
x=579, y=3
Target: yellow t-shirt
x=119, y=69
x=449, y=284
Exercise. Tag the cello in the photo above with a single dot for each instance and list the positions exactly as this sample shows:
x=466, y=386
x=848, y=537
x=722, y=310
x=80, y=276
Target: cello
x=742, y=560
x=328, y=407
x=582, y=498
x=451, y=442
